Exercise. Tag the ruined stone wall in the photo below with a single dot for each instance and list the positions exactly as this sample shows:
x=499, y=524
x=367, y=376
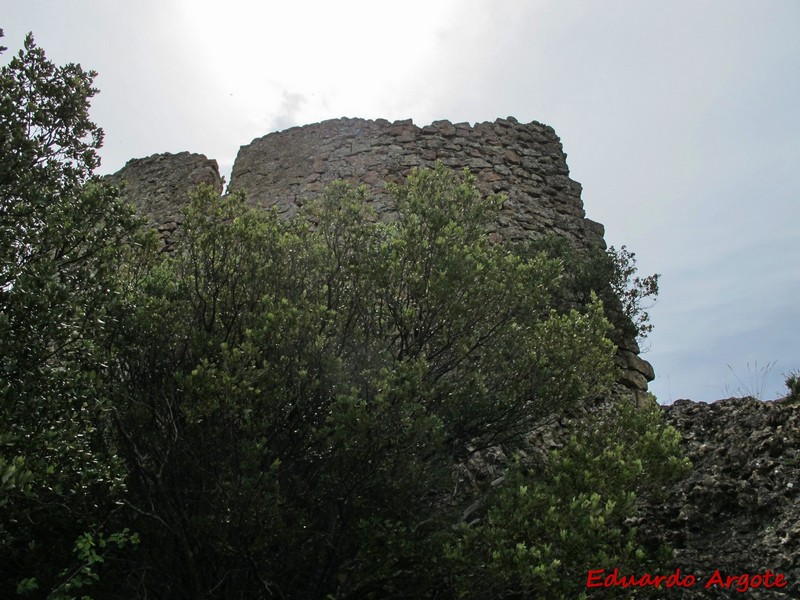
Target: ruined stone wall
x=160, y=185
x=525, y=162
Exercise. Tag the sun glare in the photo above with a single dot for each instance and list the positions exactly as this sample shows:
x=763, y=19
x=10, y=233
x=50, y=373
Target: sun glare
x=349, y=58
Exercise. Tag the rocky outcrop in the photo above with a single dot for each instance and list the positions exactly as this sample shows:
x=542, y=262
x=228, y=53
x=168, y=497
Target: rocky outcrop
x=739, y=509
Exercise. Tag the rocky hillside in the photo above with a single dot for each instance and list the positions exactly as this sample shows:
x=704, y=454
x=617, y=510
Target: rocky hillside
x=739, y=509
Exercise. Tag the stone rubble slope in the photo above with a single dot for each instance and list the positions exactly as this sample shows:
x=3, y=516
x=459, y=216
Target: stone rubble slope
x=739, y=508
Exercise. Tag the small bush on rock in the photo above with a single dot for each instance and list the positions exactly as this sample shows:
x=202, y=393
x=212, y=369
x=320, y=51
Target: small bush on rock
x=793, y=385
x=547, y=526
x=609, y=274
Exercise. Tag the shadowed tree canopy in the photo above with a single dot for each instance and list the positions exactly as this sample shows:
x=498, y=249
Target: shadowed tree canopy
x=285, y=408
x=60, y=243
x=343, y=368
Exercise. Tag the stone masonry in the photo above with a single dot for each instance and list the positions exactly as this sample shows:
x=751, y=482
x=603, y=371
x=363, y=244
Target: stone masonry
x=159, y=186
x=525, y=162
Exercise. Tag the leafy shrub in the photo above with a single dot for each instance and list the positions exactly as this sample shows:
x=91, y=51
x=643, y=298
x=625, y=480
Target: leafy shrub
x=610, y=274
x=339, y=369
x=547, y=526
x=793, y=385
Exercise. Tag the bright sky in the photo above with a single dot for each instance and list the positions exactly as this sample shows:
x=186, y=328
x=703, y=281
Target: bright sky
x=681, y=119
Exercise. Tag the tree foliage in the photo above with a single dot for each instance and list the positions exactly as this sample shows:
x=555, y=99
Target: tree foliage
x=281, y=408
x=59, y=240
x=608, y=273
x=550, y=523
x=344, y=367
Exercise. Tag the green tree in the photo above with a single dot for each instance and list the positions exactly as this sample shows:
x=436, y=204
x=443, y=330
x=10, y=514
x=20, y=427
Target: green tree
x=280, y=408
x=296, y=396
x=550, y=522
x=610, y=274
x=60, y=234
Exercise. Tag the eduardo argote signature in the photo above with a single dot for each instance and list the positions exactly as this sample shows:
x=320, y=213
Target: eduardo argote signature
x=598, y=578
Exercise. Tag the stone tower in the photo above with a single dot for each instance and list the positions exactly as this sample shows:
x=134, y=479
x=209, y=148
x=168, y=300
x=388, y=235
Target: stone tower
x=525, y=162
